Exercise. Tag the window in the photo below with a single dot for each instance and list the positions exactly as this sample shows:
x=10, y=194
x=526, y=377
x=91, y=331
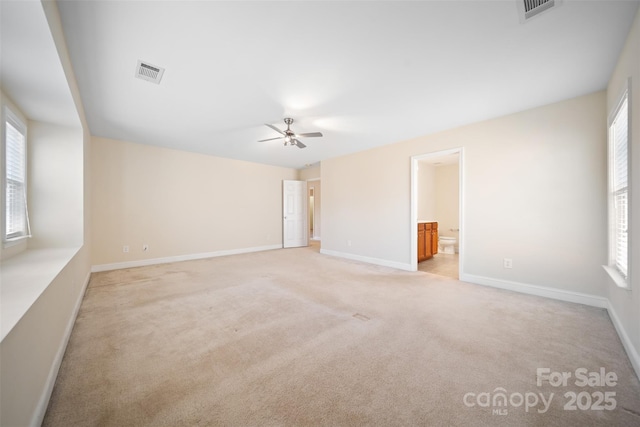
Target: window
x=16, y=225
x=618, y=266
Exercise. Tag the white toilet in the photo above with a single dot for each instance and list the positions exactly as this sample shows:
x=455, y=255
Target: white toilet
x=447, y=244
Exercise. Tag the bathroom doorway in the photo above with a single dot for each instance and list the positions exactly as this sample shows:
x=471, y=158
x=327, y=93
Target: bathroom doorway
x=437, y=196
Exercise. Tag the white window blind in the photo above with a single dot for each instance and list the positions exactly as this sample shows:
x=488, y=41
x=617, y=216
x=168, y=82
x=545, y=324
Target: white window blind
x=619, y=188
x=16, y=217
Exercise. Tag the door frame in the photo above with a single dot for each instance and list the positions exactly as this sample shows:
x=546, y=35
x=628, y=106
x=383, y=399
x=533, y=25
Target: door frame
x=414, y=203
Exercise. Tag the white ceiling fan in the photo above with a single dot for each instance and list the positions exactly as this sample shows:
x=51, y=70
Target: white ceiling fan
x=290, y=137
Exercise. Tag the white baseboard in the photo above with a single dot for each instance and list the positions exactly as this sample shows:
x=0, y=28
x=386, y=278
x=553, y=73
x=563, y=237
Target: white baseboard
x=576, y=297
x=376, y=261
x=541, y=291
x=178, y=258
x=43, y=403
x=525, y=288
x=634, y=357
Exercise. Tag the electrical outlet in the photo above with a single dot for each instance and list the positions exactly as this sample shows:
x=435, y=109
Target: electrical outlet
x=508, y=263
x=145, y=247
x=125, y=249
x=348, y=242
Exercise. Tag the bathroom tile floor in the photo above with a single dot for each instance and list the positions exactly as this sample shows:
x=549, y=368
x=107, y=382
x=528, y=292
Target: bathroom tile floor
x=441, y=264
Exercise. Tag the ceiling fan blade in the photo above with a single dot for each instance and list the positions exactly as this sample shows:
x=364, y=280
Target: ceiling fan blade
x=275, y=128
x=309, y=135
x=299, y=143
x=271, y=139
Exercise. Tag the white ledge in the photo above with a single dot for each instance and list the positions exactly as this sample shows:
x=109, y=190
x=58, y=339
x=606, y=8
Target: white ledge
x=617, y=278
x=24, y=277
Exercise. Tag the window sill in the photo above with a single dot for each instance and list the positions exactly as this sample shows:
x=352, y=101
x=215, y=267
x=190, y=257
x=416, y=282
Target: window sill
x=14, y=242
x=24, y=277
x=617, y=278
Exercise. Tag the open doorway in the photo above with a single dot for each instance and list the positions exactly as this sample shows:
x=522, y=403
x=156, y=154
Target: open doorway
x=436, y=201
x=314, y=209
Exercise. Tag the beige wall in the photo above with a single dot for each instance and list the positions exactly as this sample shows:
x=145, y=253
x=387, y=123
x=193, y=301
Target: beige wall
x=426, y=192
x=309, y=173
x=534, y=191
x=180, y=203
x=447, y=200
x=626, y=304
x=55, y=185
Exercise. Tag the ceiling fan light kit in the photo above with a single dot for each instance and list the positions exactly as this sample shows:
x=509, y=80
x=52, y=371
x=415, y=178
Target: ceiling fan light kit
x=290, y=137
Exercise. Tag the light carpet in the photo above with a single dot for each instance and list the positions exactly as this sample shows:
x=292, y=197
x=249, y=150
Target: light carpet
x=295, y=338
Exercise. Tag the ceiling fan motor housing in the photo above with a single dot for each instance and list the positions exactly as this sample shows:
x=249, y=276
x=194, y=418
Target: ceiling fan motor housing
x=288, y=133
x=290, y=137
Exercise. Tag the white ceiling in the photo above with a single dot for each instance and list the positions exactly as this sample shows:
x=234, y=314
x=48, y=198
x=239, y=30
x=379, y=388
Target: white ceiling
x=363, y=73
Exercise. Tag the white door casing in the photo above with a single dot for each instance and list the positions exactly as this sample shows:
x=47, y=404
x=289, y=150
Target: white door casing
x=294, y=214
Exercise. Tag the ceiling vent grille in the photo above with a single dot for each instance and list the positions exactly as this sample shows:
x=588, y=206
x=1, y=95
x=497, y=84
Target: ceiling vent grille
x=530, y=8
x=148, y=72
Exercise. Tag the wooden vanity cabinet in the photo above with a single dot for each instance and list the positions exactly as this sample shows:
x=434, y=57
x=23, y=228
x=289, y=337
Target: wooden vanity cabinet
x=422, y=247
x=427, y=240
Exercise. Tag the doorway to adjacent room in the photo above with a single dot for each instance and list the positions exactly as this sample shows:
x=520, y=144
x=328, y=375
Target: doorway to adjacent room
x=437, y=200
x=315, y=203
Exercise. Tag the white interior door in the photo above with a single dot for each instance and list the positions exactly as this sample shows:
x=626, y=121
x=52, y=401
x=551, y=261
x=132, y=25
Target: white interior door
x=294, y=214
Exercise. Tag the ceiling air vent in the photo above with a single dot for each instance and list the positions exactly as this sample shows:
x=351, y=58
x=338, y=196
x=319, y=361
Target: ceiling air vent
x=148, y=72
x=530, y=8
